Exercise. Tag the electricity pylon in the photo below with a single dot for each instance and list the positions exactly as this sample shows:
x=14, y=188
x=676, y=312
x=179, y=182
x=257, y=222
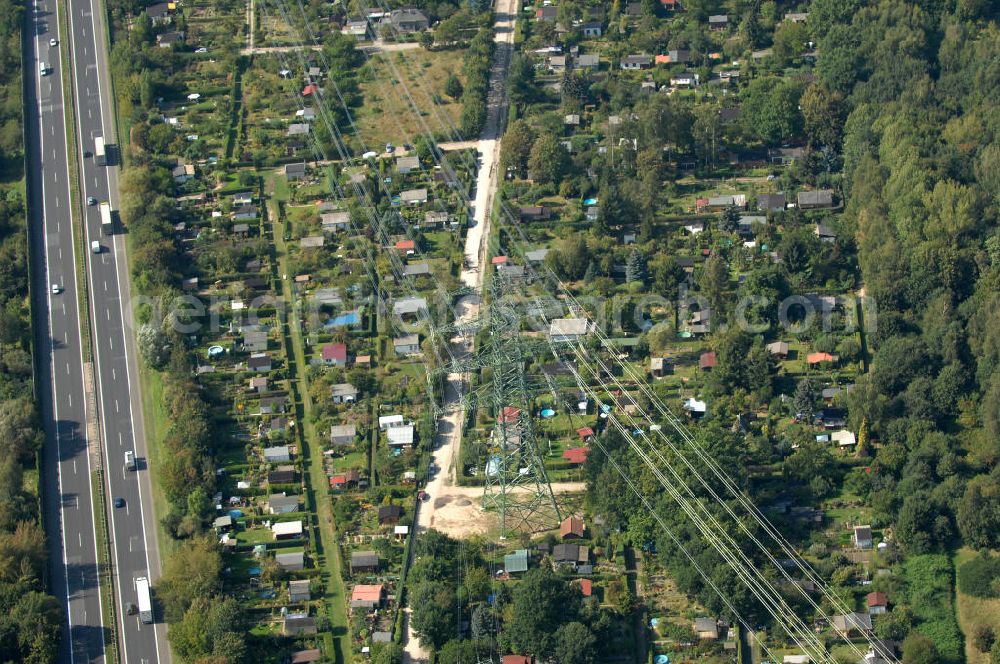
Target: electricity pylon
x=517, y=487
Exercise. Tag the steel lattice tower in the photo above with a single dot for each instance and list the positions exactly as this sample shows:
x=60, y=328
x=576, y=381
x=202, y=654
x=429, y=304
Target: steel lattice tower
x=517, y=487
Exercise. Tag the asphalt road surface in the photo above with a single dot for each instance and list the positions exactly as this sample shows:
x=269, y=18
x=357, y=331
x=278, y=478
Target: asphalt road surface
x=133, y=526
x=69, y=505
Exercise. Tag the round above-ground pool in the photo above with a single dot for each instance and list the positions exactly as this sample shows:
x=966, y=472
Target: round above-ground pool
x=661, y=659
x=215, y=351
x=547, y=412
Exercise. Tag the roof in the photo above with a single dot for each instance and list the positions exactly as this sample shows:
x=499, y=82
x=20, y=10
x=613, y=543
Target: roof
x=515, y=659
x=343, y=390
x=409, y=305
x=364, y=559
x=276, y=451
x=777, y=348
x=295, y=169
x=287, y=528
x=706, y=625
x=295, y=558
x=563, y=327
x=408, y=162
x=406, y=340
x=584, y=432
x=817, y=197
x=508, y=415
x=862, y=532
x=342, y=430
x=363, y=593
x=334, y=352
x=281, y=500
x=400, y=437
x=516, y=561
x=707, y=360
x=586, y=586
x=405, y=244
x=852, y=621
x=576, y=455
x=844, y=438
x=876, y=599
x=414, y=195
x=571, y=525
x=390, y=512
x=816, y=358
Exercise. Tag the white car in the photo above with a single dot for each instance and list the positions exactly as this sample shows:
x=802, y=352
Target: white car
x=53, y=42
x=43, y=69
x=56, y=289
x=95, y=247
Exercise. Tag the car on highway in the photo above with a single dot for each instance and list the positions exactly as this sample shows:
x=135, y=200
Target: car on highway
x=95, y=247
x=53, y=42
x=43, y=69
x=119, y=501
x=91, y=200
x=131, y=609
x=56, y=289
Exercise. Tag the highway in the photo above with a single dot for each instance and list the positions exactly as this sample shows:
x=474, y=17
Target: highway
x=69, y=505
x=133, y=526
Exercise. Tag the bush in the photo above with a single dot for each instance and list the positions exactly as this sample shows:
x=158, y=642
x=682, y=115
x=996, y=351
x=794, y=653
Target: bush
x=980, y=577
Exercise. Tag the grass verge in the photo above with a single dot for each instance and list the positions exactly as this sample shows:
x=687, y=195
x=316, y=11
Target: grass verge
x=155, y=424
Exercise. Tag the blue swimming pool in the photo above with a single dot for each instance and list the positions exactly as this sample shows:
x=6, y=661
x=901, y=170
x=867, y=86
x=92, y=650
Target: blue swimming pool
x=590, y=201
x=547, y=413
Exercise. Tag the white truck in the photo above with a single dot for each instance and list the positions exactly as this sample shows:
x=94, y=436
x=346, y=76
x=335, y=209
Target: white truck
x=107, y=223
x=145, y=603
x=100, y=156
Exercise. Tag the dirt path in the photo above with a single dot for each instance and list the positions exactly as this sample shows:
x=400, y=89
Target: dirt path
x=452, y=509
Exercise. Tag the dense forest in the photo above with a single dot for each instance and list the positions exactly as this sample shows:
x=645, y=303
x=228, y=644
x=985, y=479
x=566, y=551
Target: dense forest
x=901, y=120
x=30, y=620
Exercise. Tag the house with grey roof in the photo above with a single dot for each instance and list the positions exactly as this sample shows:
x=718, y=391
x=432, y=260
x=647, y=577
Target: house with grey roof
x=342, y=434
x=815, y=200
x=407, y=20
x=295, y=171
x=408, y=344
x=291, y=562
x=632, y=62
x=413, y=196
x=280, y=503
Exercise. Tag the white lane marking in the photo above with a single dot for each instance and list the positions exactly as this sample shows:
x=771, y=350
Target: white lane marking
x=95, y=182
x=105, y=284
x=116, y=405
x=79, y=537
x=111, y=342
x=58, y=227
x=52, y=130
x=64, y=308
x=70, y=397
x=113, y=376
x=67, y=368
x=66, y=337
x=57, y=201
x=108, y=313
x=90, y=114
x=74, y=471
x=55, y=176
x=54, y=154
x=60, y=253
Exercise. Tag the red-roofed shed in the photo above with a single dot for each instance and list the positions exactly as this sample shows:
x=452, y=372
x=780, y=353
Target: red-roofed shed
x=585, y=433
x=499, y=260
x=310, y=89
x=707, y=360
x=586, y=586
x=406, y=245
x=575, y=455
x=509, y=415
